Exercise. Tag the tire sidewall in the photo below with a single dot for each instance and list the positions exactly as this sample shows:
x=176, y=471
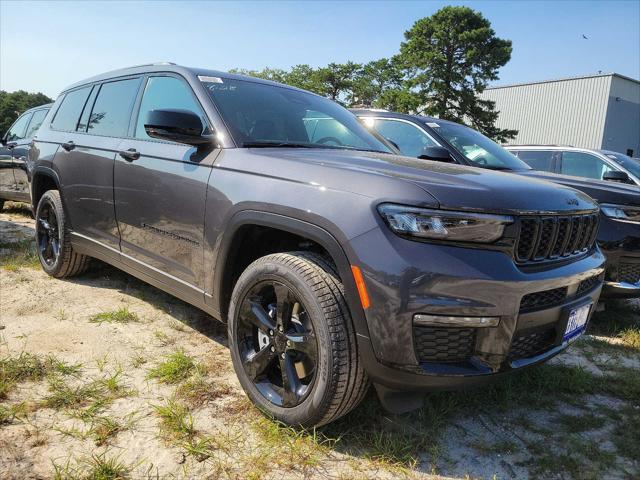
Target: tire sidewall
x=52, y=198
x=318, y=399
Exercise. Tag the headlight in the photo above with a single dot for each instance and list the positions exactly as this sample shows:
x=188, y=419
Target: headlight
x=444, y=225
x=621, y=212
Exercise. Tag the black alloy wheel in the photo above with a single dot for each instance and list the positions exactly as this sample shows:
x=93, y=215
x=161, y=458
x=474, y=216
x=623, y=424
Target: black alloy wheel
x=48, y=234
x=277, y=344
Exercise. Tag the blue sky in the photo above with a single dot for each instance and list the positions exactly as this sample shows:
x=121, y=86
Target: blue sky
x=45, y=46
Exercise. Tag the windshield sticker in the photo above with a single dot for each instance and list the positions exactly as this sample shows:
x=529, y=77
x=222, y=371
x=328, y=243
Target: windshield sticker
x=433, y=125
x=204, y=78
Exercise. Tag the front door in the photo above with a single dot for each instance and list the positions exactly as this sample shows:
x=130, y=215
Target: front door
x=11, y=140
x=21, y=154
x=160, y=195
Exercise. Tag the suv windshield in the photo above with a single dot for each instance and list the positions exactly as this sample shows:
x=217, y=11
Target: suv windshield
x=479, y=150
x=631, y=164
x=261, y=115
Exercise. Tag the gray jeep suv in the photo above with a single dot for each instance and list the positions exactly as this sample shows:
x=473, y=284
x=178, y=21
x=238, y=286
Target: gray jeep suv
x=334, y=261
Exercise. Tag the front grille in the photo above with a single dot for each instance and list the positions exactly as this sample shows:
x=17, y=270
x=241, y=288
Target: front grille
x=543, y=299
x=531, y=343
x=629, y=272
x=548, y=238
x=588, y=284
x=446, y=345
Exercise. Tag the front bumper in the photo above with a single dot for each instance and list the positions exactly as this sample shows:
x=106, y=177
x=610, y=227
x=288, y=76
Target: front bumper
x=421, y=278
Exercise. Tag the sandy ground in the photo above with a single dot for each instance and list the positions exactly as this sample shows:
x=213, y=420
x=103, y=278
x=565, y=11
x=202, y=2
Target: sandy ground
x=45, y=316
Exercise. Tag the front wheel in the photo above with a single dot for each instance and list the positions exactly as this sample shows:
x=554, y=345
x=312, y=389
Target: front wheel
x=55, y=251
x=292, y=340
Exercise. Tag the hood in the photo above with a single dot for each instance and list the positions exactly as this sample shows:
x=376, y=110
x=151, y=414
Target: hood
x=600, y=190
x=452, y=186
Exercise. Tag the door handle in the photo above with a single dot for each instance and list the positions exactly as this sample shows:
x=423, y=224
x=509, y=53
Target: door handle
x=68, y=146
x=129, y=155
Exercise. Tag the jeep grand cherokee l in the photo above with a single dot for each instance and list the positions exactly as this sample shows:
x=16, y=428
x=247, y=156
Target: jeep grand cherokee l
x=619, y=233
x=334, y=261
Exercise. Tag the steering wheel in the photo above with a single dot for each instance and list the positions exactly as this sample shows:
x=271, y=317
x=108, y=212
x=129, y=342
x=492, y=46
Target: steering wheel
x=324, y=140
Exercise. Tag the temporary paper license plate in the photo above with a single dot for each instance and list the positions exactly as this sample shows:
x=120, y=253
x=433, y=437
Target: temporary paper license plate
x=577, y=321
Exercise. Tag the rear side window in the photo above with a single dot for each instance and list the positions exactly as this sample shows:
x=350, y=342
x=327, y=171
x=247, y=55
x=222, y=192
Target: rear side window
x=163, y=93
x=68, y=113
x=537, y=160
x=112, y=111
x=579, y=164
x=17, y=130
x=36, y=121
x=411, y=140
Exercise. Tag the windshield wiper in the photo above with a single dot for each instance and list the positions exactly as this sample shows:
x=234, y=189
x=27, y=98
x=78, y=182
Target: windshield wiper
x=493, y=167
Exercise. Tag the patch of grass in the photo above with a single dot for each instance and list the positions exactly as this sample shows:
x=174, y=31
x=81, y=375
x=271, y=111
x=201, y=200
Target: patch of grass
x=97, y=467
x=626, y=434
x=137, y=360
x=103, y=428
x=176, y=420
x=197, y=391
x=580, y=423
x=177, y=325
x=122, y=315
x=164, y=339
x=631, y=338
x=95, y=395
x=19, y=255
x=201, y=448
x=9, y=413
x=27, y=366
x=175, y=368
x=17, y=208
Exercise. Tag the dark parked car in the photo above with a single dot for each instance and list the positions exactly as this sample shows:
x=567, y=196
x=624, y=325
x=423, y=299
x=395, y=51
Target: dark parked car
x=14, y=151
x=333, y=260
x=435, y=139
x=580, y=162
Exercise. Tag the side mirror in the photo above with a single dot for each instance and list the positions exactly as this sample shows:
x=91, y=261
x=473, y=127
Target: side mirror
x=182, y=126
x=616, y=176
x=439, y=154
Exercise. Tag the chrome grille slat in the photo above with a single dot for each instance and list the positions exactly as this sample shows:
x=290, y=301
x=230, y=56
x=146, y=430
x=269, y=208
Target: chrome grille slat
x=545, y=238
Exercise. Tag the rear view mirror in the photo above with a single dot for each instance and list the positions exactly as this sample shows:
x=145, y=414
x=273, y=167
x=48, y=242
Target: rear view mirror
x=439, y=154
x=616, y=176
x=182, y=126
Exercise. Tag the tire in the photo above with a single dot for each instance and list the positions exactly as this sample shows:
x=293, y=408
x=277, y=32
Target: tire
x=1, y=204
x=51, y=225
x=339, y=381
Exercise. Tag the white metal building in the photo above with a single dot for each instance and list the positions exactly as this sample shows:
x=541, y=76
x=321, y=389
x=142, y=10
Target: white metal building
x=597, y=111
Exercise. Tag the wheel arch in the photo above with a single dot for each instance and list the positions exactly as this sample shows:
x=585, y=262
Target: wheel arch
x=42, y=180
x=232, y=237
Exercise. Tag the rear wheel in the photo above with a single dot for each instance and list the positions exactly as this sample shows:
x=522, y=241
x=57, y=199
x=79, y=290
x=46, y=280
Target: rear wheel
x=292, y=340
x=55, y=252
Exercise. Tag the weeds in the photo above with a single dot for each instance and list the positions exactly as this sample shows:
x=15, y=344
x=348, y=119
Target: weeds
x=176, y=419
x=197, y=391
x=19, y=255
x=122, y=315
x=174, y=368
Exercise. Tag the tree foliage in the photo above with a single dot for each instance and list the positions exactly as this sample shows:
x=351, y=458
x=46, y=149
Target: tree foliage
x=14, y=103
x=445, y=61
x=452, y=56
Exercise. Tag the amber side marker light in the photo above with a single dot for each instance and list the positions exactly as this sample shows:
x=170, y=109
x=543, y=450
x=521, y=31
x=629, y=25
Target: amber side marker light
x=362, y=288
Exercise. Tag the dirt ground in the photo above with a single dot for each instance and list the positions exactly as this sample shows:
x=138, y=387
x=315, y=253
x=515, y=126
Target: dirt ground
x=104, y=376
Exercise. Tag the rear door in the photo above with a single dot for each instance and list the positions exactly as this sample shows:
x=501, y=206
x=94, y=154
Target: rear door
x=160, y=196
x=98, y=120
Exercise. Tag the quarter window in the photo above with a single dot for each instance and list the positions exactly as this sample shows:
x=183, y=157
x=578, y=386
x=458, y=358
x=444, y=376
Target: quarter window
x=36, y=121
x=17, y=130
x=112, y=111
x=410, y=139
x=578, y=164
x=538, y=160
x=66, y=117
x=166, y=93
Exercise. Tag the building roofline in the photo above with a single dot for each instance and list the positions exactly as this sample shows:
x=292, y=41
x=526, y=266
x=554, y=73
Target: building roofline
x=566, y=79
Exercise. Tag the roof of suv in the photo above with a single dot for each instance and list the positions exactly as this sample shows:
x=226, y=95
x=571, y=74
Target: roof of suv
x=170, y=67
x=374, y=112
x=39, y=107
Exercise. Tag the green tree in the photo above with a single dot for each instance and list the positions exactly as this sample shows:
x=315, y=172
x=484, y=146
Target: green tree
x=14, y=103
x=336, y=80
x=451, y=57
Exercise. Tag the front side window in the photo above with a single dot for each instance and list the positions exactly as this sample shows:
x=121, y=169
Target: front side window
x=579, y=164
x=66, y=118
x=260, y=115
x=479, y=150
x=537, y=159
x=411, y=140
x=18, y=129
x=36, y=121
x=631, y=164
x=166, y=93
x=112, y=110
